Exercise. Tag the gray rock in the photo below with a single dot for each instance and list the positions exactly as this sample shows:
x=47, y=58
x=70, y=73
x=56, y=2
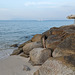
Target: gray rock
x=39, y=55
x=58, y=66
x=29, y=46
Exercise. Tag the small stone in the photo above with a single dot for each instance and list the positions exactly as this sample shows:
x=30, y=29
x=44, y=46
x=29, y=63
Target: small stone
x=14, y=45
x=26, y=68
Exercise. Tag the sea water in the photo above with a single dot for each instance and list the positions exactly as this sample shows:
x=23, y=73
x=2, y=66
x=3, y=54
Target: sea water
x=19, y=31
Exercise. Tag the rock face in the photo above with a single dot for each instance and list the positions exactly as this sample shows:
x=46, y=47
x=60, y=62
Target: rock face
x=58, y=66
x=57, y=35
x=28, y=47
x=39, y=55
x=20, y=46
x=37, y=38
x=24, y=55
x=17, y=51
x=52, y=41
x=53, y=49
x=46, y=33
x=66, y=47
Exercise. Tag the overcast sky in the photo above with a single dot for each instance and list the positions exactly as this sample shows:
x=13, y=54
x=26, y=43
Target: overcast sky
x=36, y=9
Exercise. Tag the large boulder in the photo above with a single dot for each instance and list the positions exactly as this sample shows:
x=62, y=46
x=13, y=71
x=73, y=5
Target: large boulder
x=68, y=27
x=23, y=44
x=66, y=47
x=36, y=38
x=46, y=33
x=29, y=46
x=39, y=55
x=58, y=66
x=52, y=41
x=57, y=35
x=56, y=31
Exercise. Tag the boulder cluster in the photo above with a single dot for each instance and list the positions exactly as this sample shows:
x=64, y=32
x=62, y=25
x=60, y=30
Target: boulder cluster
x=53, y=50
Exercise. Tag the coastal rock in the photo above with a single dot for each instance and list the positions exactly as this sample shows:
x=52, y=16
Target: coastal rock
x=14, y=45
x=57, y=35
x=24, y=55
x=46, y=33
x=20, y=46
x=52, y=41
x=29, y=46
x=56, y=31
x=68, y=27
x=58, y=66
x=36, y=38
x=39, y=55
x=17, y=51
x=66, y=47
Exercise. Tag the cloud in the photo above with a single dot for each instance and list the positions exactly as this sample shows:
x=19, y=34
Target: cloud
x=38, y=3
x=3, y=9
x=47, y=4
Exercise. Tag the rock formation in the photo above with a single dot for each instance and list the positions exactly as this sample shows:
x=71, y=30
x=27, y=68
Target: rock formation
x=54, y=50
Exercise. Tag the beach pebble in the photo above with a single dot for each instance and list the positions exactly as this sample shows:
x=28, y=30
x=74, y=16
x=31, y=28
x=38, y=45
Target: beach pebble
x=26, y=68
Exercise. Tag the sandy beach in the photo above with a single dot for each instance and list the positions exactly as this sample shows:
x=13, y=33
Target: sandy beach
x=14, y=65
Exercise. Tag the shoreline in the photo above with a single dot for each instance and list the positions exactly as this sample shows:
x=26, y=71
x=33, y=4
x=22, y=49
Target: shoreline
x=52, y=52
x=16, y=68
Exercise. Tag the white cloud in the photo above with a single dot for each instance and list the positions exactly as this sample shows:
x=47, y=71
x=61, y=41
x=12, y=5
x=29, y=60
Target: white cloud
x=38, y=3
x=3, y=9
x=47, y=4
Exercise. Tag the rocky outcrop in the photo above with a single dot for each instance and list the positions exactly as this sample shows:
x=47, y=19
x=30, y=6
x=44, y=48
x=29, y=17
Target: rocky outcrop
x=39, y=55
x=17, y=51
x=36, y=38
x=52, y=41
x=46, y=33
x=53, y=49
x=58, y=66
x=21, y=46
x=28, y=47
x=66, y=47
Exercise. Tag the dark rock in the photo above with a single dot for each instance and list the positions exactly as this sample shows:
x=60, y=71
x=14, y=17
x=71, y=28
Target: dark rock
x=47, y=33
x=53, y=41
x=20, y=46
x=24, y=55
x=14, y=45
x=17, y=51
x=67, y=46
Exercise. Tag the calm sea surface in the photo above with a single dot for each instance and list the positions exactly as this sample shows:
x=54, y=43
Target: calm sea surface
x=19, y=31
